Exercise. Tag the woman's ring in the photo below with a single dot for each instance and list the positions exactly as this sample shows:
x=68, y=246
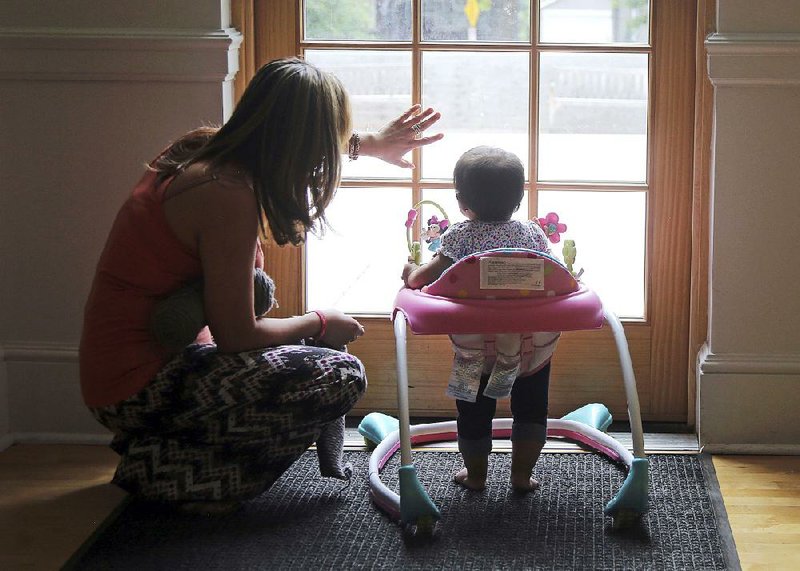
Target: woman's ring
x=417, y=130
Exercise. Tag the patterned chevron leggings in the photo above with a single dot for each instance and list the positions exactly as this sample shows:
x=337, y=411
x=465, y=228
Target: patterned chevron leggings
x=225, y=426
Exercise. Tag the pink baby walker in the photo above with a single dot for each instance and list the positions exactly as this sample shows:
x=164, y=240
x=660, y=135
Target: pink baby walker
x=501, y=291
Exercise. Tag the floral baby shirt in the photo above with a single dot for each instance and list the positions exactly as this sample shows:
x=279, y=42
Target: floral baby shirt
x=472, y=236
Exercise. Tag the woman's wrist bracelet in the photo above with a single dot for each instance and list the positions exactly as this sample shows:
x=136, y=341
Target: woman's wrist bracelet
x=323, y=324
x=354, y=146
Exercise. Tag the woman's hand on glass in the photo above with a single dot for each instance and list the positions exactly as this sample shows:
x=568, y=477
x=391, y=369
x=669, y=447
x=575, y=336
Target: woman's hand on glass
x=400, y=136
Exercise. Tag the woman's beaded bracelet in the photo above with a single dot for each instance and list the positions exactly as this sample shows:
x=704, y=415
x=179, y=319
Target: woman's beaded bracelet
x=323, y=324
x=354, y=146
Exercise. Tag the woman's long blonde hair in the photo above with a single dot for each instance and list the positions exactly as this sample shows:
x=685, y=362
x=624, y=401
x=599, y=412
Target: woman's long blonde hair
x=287, y=132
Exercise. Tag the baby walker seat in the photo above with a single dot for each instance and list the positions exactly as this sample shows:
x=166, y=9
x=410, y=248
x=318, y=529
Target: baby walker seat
x=493, y=292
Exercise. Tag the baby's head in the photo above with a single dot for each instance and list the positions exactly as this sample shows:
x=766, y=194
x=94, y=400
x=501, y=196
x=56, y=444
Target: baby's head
x=489, y=182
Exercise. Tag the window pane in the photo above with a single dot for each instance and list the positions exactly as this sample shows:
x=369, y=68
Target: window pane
x=358, y=20
x=473, y=20
x=594, y=22
x=356, y=265
x=593, y=117
x=483, y=98
x=609, y=233
x=379, y=85
x=446, y=198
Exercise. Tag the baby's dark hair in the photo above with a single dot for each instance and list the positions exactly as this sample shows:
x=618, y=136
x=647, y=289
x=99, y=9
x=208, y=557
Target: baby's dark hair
x=490, y=182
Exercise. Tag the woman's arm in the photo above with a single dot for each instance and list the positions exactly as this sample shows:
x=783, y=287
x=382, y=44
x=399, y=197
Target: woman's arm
x=415, y=276
x=226, y=225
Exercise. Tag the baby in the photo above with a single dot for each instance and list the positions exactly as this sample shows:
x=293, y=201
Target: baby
x=489, y=184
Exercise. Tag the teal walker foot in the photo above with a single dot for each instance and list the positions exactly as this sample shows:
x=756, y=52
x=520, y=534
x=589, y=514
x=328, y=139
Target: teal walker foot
x=376, y=426
x=418, y=514
x=631, y=501
x=595, y=415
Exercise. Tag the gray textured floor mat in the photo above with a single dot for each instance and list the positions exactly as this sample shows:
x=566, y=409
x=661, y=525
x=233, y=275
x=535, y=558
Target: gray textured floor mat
x=306, y=522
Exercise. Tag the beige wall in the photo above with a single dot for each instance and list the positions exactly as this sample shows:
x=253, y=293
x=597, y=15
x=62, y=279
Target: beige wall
x=749, y=372
x=115, y=14
x=89, y=91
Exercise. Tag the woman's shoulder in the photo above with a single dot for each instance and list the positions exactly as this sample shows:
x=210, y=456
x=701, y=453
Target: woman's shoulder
x=205, y=176
x=232, y=175
x=200, y=198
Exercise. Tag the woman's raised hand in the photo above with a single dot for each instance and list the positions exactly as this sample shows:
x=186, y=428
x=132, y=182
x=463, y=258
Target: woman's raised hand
x=340, y=329
x=400, y=136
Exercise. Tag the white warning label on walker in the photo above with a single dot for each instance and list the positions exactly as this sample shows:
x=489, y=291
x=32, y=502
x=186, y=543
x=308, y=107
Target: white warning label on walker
x=512, y=273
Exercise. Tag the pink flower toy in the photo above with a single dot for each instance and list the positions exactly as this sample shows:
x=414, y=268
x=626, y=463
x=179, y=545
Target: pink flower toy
x=552, y=227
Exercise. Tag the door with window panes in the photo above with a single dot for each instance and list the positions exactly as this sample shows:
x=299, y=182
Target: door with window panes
x=595, y=97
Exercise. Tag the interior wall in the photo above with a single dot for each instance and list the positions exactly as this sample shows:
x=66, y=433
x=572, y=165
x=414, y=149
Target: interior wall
x=749, y=371
x=76, y=15
x=89, y=92
x=5, y=428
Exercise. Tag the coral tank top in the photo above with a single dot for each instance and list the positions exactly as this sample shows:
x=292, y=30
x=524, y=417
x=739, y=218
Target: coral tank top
x=142, y=262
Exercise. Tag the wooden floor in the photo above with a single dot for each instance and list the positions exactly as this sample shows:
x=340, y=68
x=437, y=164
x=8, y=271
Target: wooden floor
x=53, y=496
x=51, y=499
x=762, y=499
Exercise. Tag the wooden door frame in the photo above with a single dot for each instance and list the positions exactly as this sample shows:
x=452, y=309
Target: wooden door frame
x=677, y=208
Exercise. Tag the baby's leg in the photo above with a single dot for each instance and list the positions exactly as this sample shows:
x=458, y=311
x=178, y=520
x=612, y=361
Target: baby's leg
x=524, y=455
x=475, y=439
x=529, y=431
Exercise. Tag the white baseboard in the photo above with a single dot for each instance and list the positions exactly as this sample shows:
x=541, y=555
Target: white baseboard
x=43, y=395
x=747, y=404
x=8, y=440
x=60, y=438
x=754, y=449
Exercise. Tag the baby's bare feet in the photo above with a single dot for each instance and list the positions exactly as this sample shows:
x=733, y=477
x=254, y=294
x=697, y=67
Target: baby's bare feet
x=462, y=477
x=523, y=484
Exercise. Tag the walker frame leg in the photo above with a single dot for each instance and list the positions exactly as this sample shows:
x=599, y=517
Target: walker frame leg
x=631, y=500
x=418, y=513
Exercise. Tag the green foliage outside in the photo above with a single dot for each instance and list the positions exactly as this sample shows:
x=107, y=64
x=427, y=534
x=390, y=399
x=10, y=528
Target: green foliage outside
x=340, y=19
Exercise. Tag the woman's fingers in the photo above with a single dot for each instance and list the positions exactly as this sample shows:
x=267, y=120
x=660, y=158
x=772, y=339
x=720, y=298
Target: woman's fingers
x=421, y=142
x=430, y=120
x=341, y=330
x=420, y=123
x=426, y=117
x=408, y=113
x=400, y=136
x=358, y=332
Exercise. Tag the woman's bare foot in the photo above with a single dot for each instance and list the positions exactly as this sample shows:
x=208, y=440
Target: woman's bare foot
x=523, y=483
x=462, y=477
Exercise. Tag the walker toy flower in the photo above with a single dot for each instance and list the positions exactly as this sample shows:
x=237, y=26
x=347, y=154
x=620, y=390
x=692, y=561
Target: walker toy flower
x=552, y=227
x=412, y=216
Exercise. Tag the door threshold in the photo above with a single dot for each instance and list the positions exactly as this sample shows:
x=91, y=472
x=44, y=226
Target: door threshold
x=654, y=443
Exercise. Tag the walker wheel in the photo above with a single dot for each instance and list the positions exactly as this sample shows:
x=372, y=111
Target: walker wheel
x=625, y=519
x=422, y=530
x=426, y=525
